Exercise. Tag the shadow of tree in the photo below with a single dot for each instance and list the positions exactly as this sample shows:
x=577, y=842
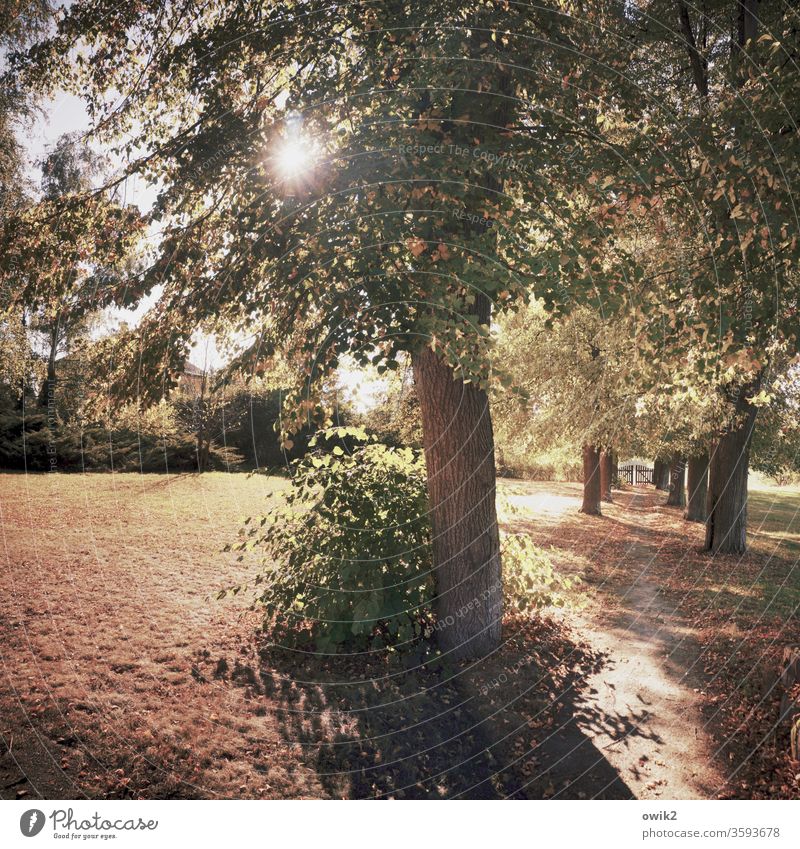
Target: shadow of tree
x=518, y=724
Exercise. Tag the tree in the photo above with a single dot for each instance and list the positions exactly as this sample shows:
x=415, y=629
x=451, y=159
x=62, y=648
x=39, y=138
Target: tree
x=658, y=474
x=406, y=236
x=459, y=456
x=18, y=368
x=591, y=480
x=66, y=257
x=775, y=449
x=22, y=24
x=731, y=142
x=64, y=312
x=677, y=478
x=580, y=377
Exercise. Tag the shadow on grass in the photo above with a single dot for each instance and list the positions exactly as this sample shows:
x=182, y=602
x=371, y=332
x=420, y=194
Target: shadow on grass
x=519, y=724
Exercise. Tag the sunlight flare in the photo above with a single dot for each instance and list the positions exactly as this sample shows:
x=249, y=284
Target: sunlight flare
x=294, y=158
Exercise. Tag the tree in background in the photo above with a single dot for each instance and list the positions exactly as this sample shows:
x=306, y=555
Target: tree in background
x=581, y=378
x=66, y=257
x=727, y=168
x=23, y=23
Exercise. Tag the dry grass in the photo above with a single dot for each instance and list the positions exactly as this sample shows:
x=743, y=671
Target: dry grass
x=106, y=614
x=123, y=676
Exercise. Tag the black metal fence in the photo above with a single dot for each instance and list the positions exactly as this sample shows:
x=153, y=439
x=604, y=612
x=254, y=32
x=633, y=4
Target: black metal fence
x=635, y=475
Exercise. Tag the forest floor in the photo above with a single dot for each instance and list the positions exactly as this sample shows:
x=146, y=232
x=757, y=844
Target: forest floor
x=123, y=676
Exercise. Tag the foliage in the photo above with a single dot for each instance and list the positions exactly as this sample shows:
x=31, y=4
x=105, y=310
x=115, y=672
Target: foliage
x=384, y=246
x=577, y=375
x=252, y=418
x=395, y=418
x=150, y=441
x=530, y=581
x=22, y=24
x=18, y=369
x=776, y=441
x=347, y=556
x=561, y=462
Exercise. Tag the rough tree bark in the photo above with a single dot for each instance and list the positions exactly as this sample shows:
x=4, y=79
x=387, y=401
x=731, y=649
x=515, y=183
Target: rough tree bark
x=697, y=487
x=459, y=444
x=677, y=491
x=726, y=500
x=606, y=474
x=591, y=480
x=459, y=454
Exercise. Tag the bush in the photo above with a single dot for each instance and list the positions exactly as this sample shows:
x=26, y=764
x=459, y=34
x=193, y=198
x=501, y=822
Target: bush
x=137, y=442
x=557, y=464
x=530, y=581
x=347, y=555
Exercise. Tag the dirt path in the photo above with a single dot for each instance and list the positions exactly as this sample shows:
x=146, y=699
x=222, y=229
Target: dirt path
x=640, y=713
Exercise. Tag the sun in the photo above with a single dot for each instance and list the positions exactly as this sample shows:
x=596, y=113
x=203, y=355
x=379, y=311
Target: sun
x=294, y=158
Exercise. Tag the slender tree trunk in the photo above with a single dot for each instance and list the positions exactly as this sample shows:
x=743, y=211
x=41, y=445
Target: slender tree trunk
x=657, y=464
x=677, y=490
x=747, y=30
x=591, y=481
x=203, y=450
x=48, y=390
x=726, y=500
x=662, y=481
x=698, y=62
x=614, y=468
x=459, y=454
x=697, y=486
x=606, y=474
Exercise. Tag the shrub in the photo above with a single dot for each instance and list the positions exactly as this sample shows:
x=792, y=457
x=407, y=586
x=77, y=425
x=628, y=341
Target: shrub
x=137, y=442
x=530, y=581
x=347, y=556
x=557, y=464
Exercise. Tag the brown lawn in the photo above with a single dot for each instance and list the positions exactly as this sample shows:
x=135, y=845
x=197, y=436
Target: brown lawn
x=123, y=676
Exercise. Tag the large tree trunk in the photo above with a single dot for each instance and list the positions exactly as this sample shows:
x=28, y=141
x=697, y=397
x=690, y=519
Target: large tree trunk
x=459, y=454
x=697, y=486
x=677, y=491
x=606, y=474
x=591, y=481
x=726, y=500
